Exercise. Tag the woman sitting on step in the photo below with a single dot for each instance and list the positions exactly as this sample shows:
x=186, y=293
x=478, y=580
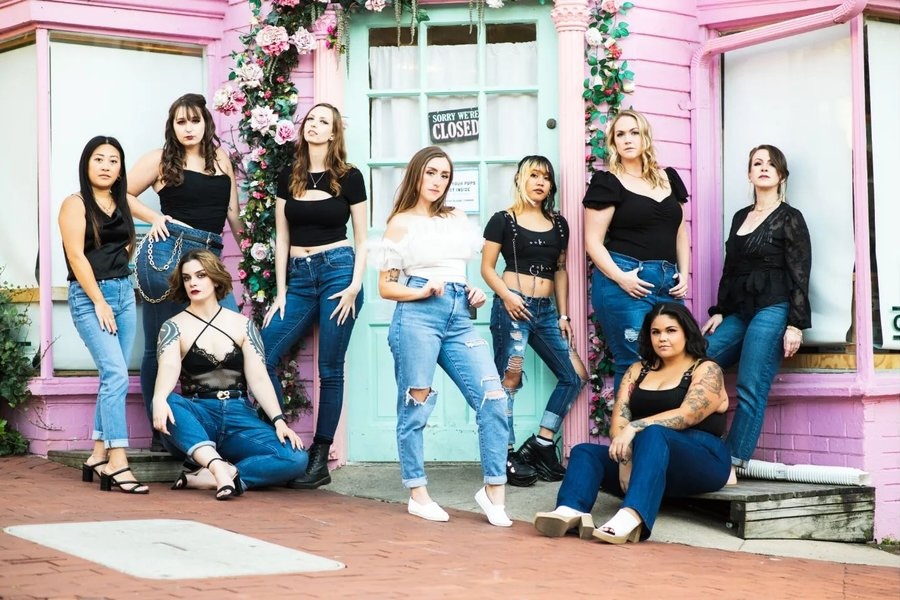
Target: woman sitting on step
x=217, y=354
x=667, y=427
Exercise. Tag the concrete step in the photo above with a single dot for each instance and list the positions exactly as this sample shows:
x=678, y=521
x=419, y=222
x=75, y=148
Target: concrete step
x=148, y=466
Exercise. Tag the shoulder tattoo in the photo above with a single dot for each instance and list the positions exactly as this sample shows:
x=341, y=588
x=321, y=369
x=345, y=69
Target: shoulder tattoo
x=256, y=340
x=168, y=335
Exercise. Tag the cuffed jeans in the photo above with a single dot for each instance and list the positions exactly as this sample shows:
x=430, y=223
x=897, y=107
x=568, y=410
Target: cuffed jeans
x=622, y=316
x=235, y=430
x=543, y=335
x=438, y=331
x=311, y=281
x=110, y=353
x=757, y=346
x=154, y=263
x=665, y=462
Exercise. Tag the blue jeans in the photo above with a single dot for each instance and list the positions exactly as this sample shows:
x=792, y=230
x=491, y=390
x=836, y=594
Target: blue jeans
x=154, y=263
x=110, y=353
x=310, y=281
x=758, y=345
x=438, y=331
x=235, y=430
x=543, y=335
x=665, y=462
x=620, y=315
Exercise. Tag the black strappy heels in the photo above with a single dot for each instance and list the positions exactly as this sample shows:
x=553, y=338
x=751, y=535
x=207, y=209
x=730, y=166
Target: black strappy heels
x=87, y=471
x=131, y=486
x=228, y=491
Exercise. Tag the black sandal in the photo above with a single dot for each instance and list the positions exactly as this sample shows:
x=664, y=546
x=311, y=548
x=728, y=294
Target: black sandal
x=109, y=481
x=226, y=492
x=87, y=471
x=190, y=468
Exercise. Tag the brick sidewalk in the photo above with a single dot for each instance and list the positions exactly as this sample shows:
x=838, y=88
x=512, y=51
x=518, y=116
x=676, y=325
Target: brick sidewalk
x=388, y=553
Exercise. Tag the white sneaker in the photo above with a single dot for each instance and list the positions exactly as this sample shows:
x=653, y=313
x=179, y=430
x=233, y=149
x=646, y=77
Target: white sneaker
x=429, y=512
x=496, y=513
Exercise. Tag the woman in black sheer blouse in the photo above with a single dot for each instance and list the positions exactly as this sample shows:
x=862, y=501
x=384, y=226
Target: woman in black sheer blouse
x=763, y=304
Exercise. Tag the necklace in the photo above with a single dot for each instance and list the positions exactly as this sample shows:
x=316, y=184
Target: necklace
x=108, y=208
x=316, y=182
x=766, y=209
x=632, y=174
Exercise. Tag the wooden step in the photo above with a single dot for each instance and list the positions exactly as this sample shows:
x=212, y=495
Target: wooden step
x=759, y=509
x=148, y=466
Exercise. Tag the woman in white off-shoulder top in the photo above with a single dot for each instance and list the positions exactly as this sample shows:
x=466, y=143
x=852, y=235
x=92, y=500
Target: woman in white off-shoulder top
x=429, y=243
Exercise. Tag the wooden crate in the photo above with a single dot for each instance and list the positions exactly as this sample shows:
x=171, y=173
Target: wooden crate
x=758, y=509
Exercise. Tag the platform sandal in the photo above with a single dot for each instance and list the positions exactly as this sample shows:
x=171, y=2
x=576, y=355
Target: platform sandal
x=87, y=471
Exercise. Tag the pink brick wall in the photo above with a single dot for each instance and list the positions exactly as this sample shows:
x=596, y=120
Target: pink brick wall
x=881, y=422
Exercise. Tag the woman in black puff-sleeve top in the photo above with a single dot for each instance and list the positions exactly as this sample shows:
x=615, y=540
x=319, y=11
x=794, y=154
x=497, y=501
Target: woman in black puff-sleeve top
x=763, y=305
x=635, y=235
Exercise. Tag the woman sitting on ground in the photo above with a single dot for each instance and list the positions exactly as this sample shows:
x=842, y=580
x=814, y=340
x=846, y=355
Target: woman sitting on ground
x=666, y=433
x=217, y=354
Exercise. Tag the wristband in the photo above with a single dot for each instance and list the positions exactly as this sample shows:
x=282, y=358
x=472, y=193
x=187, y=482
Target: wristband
x=564, y=318
x=277, y=418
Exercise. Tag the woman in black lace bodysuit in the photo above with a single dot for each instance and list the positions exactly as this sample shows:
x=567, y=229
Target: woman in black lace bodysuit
x=763, y=305
x=217, y=355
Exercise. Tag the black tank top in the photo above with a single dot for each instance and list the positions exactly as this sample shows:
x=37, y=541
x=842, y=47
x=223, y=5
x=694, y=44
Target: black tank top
x=646, y=403
x=201, y=200
x=110, y=259
x=201, y=372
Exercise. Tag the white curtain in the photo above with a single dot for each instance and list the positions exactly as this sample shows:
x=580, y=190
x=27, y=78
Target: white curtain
x=795, y=94
x=884, y=94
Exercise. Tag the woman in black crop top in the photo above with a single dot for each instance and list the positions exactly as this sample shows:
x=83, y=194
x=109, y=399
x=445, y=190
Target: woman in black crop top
x=763, y=304
x=530, y=301
x=197, y=194
x=666, y=436
x=634, y=233
x=98, y=237
x=217, y=355
x=318, y=274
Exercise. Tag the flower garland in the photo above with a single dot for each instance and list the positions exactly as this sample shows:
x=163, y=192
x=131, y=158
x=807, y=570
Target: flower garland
x=604, y=92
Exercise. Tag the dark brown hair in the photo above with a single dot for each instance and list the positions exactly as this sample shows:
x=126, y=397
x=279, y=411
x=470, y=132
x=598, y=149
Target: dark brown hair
x=172, y=162
x=335, y=159
x=408, y=192
x=215, y=270
x=779, y=162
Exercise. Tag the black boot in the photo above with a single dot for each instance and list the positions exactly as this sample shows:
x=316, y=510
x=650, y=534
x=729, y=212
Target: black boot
x=544, y=459
x=316, y=471
x=518, y=472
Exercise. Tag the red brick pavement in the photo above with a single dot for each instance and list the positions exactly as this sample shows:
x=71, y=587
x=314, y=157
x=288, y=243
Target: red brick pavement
x=388, y=553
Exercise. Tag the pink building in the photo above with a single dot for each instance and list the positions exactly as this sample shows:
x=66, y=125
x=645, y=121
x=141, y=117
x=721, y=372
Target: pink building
x=816, y=78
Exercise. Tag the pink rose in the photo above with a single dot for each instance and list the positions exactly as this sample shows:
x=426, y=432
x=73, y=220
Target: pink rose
x=262, y=118
x=286, y=2
x=285, y=132
x=273, y=40
x=242, y=274
x=376, y=5
x=611, y=6
x=259, y=251
x=304, y=41
x=228, y=100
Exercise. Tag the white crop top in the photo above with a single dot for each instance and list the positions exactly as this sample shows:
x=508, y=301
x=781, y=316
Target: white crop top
x=435, y=248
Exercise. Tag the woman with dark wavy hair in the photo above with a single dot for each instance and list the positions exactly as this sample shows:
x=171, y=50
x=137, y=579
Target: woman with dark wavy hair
x=98, y=237
x=666, y=433
x=195, y=181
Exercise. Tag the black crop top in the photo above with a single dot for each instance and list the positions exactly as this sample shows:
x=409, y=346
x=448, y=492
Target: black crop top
x=201, y=372
x=320, y=222
x=525, y=251
x=201, y=200
x=641, y=227
x=646, y=403
x=110, y=259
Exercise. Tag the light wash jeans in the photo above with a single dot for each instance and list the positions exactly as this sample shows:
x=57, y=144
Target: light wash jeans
x=235, y=430
x=110, y=353
x=620, y=315
x=310, y=282
x=665, y=462
x=758, y=345
x=438, y=331
x=543, y=335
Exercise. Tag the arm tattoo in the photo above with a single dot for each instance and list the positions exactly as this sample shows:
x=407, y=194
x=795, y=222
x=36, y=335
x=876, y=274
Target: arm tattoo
x=561, y=262
x=255, y=340
x=168, y=335
x=709, y=386
x=393, y=275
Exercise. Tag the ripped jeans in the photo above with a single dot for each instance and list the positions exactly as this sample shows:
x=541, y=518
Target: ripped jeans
x=438, y=331
x=622, y=316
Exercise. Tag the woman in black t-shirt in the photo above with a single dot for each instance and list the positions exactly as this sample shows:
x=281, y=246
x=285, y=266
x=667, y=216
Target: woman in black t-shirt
x=530, y=301
x=318, y=274
x=634, y=232
x=763, y=305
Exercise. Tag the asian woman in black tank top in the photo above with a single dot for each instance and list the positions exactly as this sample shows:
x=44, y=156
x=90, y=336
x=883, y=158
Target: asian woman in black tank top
x=666, y=436
x=195, y=181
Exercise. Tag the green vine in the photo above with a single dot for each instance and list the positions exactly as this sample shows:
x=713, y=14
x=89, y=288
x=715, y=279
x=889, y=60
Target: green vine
x=16, y=367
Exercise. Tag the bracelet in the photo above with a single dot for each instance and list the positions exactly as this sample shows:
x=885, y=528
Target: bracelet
x=564, y=318
x=279, y=417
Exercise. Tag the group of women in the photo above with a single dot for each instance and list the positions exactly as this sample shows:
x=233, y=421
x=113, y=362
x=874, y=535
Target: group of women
x=669, y=416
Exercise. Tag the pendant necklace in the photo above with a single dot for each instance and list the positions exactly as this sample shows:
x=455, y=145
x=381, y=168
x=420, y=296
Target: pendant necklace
x=316, y=182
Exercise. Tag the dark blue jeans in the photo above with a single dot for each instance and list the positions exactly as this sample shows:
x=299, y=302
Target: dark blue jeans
x=758, y=345
x=154, y=263
x=310, y=281
x=235, y=430
x=666, y=462
x=543, y=335
x=620, y=315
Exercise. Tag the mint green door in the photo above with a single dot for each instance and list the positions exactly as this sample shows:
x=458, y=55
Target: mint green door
x=506, y=70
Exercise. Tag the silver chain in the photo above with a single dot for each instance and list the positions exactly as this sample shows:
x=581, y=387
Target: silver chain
x=176, y=255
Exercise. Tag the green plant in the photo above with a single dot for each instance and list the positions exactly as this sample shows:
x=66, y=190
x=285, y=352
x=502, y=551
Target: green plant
x=16, y=368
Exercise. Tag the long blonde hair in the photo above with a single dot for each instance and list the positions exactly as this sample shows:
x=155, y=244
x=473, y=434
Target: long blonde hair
x=408, y=192
x=335, y=159
x=650, y=171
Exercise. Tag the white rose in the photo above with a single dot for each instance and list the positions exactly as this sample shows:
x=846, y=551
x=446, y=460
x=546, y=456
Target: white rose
x=495, y=3
x=259, y=251
x=249, y=75
x=262, y=118
x=593, y=37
